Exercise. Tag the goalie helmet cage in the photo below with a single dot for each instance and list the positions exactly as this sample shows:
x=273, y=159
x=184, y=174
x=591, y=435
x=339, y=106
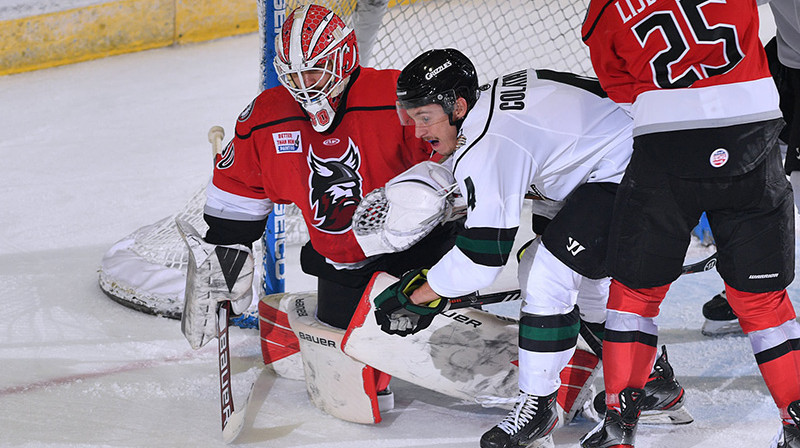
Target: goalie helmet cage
x=146, y=269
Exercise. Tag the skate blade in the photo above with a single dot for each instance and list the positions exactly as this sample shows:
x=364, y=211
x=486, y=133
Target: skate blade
x=715, y=328
x=679, y=416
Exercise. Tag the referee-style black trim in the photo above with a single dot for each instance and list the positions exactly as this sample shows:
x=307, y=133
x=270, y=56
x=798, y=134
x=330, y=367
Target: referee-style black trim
x=591, y=29
x=631, y=337
x=485, y=129
x=777, y=351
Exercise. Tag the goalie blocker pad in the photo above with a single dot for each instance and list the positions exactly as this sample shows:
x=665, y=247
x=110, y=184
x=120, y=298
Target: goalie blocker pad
x=467, y=354
x=336, y=383
x=215, y=273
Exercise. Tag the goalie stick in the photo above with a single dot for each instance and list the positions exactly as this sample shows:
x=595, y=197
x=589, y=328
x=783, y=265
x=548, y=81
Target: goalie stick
x=232, y=421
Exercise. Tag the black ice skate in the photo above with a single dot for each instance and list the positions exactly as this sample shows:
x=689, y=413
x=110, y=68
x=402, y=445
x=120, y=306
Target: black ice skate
x=720, y=319
x=619, y=427
x=789, y=435
x=527, y=425
x=664, y=396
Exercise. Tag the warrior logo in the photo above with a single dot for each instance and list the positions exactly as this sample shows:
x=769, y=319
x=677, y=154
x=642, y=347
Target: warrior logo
x=335, y=189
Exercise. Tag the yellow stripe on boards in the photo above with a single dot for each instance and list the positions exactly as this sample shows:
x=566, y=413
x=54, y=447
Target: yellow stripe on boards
x=117, y=27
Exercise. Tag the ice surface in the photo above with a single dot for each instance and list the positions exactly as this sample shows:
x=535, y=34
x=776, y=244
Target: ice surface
x=95, y=150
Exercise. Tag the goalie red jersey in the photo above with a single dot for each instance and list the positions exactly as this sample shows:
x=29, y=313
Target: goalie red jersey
x=277, y=157
x=667, y=57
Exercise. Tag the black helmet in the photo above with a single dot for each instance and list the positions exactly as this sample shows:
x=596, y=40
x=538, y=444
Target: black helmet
x=438, y=76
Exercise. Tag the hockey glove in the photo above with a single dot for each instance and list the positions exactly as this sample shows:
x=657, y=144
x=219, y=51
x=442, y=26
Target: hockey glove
x=215, y=274
x=395, y=312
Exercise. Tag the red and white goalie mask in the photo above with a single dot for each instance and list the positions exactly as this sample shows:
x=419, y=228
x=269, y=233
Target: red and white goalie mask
x=316, y=54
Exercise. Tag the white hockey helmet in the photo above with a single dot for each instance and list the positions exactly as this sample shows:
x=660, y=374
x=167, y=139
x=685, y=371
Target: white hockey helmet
x=316, y=54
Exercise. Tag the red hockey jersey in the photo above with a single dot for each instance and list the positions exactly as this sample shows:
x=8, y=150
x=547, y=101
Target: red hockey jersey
x=276, y=156
x=681, y=64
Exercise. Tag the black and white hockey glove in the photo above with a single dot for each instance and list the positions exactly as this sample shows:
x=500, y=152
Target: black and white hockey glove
x=215, y=274
x=395, y=312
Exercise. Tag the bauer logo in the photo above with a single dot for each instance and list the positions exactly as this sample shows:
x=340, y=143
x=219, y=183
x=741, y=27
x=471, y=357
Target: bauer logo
x=287, y=142
x=718, y=158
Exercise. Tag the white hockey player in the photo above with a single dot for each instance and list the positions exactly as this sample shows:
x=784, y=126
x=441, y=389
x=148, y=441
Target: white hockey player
x=552, y=134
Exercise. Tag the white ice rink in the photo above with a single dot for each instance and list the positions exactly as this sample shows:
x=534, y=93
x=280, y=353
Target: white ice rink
x=96, y=150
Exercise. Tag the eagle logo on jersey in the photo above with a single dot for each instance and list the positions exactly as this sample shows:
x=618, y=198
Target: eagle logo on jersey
x=335, y=189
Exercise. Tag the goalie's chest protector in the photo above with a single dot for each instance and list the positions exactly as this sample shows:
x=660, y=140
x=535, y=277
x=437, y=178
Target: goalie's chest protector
x=327, y=175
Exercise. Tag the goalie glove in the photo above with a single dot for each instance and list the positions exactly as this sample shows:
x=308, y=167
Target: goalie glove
x=394, y=218
x=397, y=314
x=215, y=274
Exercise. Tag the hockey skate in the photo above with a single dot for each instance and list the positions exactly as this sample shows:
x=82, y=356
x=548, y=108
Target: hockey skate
x=664, y=397
x=385, y=399
x=720, y=320
x=789, y=435
x=527, y=425
x=618, y=429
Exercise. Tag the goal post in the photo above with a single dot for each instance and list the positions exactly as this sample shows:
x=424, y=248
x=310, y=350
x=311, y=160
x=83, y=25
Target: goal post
x=271, y=15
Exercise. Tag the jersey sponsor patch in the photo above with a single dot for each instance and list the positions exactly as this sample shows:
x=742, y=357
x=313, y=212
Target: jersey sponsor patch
x=287, y=142
x=718, y=158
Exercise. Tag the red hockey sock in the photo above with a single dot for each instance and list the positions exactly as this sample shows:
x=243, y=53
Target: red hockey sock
x=631, y=339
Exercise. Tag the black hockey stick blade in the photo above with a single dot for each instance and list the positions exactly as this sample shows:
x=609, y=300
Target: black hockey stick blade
x=478, y=299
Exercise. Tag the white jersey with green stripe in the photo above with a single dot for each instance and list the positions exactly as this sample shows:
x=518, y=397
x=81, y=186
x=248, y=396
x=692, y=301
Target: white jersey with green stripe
x=532, y=131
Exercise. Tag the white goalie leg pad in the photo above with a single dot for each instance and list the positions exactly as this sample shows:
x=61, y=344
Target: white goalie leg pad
x=214, y=273
x=279, y=345
x=337, y=384
x=394, y=218
x=465, y=353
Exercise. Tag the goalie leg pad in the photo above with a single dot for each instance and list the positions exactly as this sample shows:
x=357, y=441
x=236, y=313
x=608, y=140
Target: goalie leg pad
x=279, y=346
x=577, y=381
x=465, y=353
x=336, y=383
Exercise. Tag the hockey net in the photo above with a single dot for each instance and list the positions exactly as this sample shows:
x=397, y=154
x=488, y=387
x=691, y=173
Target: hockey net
x=146, y=269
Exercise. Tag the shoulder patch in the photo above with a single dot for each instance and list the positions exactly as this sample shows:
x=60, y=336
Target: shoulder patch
x=287, y=142
x=246, y=112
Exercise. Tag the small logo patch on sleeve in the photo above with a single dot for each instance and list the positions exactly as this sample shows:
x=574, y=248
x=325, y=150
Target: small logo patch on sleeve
x=287, y=142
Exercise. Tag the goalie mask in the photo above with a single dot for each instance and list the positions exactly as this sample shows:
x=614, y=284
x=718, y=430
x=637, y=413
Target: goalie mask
x=316, y=54
x=437, y=77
